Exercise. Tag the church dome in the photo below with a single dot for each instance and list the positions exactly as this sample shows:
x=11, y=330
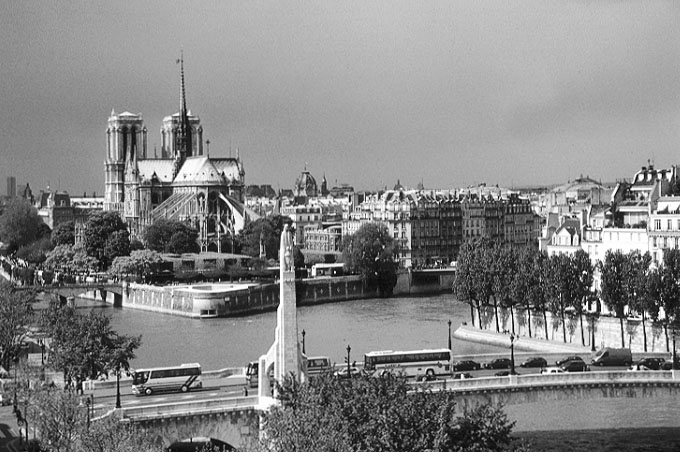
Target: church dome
x=305, y=185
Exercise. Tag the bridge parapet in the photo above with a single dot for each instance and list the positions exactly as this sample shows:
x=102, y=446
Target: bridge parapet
x=190, y=408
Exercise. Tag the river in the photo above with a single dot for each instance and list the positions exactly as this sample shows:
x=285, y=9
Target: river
x=401, y=323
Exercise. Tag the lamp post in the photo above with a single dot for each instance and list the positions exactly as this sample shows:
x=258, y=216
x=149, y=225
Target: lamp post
x=87, y=406
x=512, y=354
x=449, y=322
x=118, y=387
x=303, y=342
x=674, y=366
x=41, y=343
x=349, y=372
x=16, y=364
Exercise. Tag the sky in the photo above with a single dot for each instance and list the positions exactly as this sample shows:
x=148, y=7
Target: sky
x=447, y=93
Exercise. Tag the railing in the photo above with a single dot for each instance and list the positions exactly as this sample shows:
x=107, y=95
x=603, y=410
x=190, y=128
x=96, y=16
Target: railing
x=560, y=379
x=189, y=407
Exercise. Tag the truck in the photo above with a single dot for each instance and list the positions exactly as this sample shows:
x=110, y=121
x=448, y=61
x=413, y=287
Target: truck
x=613, y=357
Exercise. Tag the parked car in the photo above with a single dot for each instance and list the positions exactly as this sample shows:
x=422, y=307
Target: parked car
x=498, y=363
x=613, y=357
x=668, y=365
x=534, y=362
x=649, y=364
x=342, y=372
x=505, y=373
x=552, y=370
x=574, y=366
x=466, y=364
x=462, y=376
x=568, y=358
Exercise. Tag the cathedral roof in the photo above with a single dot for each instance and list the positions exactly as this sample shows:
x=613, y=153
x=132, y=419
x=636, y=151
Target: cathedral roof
x=198, y=170
x=232, y=169
x=161, y=168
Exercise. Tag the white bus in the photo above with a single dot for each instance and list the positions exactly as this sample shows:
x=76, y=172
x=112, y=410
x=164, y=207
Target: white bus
x=316, y=366
x=177, y=378
x=416, y=363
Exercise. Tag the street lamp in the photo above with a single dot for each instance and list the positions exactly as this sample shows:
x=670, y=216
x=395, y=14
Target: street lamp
x=41, y=343
x=349, y=371
x=118, y=387
x=449, y=322
x=16, y=364
x=512, y=354
x=87, y=406
x=303, y=341
x=674, y=367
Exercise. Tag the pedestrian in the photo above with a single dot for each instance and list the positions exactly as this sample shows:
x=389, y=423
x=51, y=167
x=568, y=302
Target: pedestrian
x=245, y=391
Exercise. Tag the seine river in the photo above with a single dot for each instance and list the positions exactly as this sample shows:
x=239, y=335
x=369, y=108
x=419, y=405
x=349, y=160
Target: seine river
x=403, y=323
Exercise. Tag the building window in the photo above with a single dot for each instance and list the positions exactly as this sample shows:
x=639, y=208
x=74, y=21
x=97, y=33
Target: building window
x=669, y=223
x=657, y=225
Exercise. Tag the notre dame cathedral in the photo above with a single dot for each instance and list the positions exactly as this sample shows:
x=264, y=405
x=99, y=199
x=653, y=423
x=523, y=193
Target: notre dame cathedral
x=180, y=184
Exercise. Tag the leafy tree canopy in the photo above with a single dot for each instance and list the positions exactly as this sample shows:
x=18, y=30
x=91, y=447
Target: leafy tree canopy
x=106, y=237
x=20, y=224
x=85, y=346
x=71, y=259
x=64, y=234
x=170, y=236
x=265, y=232
x=139, y=262
x=379, y=414
x=16, y=315
x=370, y=252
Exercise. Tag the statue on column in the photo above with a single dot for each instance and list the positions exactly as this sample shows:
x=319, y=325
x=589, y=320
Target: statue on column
x=287, y=250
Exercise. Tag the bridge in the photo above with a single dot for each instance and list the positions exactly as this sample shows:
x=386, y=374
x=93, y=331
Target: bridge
x=65, y=291
x=236, y=420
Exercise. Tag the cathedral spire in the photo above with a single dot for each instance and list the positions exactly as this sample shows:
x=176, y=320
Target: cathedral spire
x=183, y=145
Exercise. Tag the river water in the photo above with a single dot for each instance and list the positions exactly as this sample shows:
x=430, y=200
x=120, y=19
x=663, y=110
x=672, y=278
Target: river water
x=402, y=323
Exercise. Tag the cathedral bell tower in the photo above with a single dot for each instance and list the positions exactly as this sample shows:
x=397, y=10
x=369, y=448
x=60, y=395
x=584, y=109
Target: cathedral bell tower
x=125, y=134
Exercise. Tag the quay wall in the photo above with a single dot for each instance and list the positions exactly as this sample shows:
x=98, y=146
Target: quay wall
x=222, y=300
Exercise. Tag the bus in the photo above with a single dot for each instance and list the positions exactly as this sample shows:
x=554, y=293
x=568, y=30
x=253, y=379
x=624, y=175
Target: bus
x=178, y=378
x=416, y=363
x=251, y=374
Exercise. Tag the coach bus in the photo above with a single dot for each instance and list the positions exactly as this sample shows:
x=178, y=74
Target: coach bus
x=416, y=363
x=177, y=378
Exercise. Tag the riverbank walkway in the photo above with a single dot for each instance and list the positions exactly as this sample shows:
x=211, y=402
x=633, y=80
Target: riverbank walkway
x=521, y=343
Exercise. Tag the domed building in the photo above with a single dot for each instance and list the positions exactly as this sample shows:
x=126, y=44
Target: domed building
x=305, y=185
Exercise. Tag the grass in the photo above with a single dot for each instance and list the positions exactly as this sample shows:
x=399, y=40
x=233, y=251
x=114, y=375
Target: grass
x=614, y=440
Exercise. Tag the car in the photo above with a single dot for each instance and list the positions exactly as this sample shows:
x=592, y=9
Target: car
x=466, y=364
x=498, y=363
x=534, y=362
x=505, y=373
x=343, y=372
x=649, y=364
x=462, y=376
x=574, y=366
x=568, y=358
x=668, y=365
x=552, y=370
x=426, y=377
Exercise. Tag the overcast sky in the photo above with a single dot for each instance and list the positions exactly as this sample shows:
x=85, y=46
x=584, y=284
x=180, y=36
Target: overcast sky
x=450, y=93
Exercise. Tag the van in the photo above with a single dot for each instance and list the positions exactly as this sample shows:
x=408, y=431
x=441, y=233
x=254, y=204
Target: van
x=318, y=365
x=613, y=357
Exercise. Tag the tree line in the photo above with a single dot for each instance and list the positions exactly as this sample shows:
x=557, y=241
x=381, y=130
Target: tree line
x=492, y=276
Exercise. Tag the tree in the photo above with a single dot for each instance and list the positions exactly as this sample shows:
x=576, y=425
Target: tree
x=582, y=274
x=474, y=281
x=64, y=234
x=170, y=236
x=16, y=315
x=61, y=420
x=370, y=252
x=503, y=264
x=72, y=259
x=664, y=287
x=35, y=252
x=262, y=233
x=613, y=275
x=85, y=346
x=379, y=414
x=101, y=238
x=526, y=289
x=639, y=299
x=139, y=262
x=20, y=224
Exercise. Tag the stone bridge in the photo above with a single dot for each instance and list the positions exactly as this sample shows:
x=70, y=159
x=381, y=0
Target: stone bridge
x=237, y=420
x=108, y=292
